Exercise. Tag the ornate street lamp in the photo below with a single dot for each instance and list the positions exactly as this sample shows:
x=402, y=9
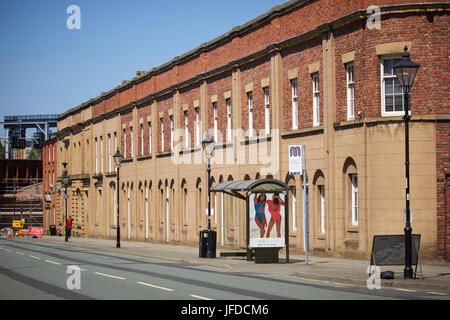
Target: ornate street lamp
x=65, y=184
x=117, y=161
x=406, y=71
x=208, y=146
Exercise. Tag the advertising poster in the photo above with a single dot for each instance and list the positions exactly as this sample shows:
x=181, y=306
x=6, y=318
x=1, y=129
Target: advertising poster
x=267, y=224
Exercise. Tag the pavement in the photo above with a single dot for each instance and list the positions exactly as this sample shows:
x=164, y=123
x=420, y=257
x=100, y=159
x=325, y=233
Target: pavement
x=433, y=277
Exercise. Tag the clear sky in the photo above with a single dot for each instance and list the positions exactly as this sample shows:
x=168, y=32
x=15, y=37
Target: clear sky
x=47, y=68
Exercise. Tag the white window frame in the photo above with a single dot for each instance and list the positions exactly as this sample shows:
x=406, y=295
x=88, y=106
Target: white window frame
x=101, y=154
x=294, y=94
x=171, y=132
x=267, y=110
x=322, y=209
x=250, y=114
x=186, y=204
x=162, y=134
x=125, y=142
x=385, y=113
x=214, y=105
x=142, y=139
x=149, y=123
x=96, y=155
x=229, y=123
x=355, y=199
x=109, y=153
x=197, y=127
x=132, y=141
x=350, y=75
x=316, y=99
x=294, y=207
x=186, y=129
x=115, y=146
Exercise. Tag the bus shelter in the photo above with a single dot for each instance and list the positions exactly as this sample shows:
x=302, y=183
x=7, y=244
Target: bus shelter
x=267, y=216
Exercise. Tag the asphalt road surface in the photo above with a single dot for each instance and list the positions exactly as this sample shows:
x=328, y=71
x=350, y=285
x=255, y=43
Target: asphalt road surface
x=40, y=271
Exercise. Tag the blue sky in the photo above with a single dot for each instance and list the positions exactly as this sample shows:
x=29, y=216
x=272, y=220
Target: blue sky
x=47, y=68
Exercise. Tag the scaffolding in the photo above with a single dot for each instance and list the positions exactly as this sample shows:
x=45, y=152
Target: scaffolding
x=18, y=202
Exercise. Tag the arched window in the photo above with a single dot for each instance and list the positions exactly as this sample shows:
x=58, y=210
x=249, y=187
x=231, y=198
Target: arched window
x=351, y=187
x=319, y=182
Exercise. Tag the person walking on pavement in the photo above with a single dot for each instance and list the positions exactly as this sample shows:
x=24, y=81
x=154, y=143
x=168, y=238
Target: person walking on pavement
x=69, y=227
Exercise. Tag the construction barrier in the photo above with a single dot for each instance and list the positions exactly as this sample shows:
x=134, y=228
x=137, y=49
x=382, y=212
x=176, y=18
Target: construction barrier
x=35, y=231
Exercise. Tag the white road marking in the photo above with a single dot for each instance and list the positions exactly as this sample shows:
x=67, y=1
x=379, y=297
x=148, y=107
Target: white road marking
x=57, y=263
x=438, y=293
x=110, y=276
x=153, y=286
x=199, y=297
x=407, y=290
x=34, y=257
x=21, y=253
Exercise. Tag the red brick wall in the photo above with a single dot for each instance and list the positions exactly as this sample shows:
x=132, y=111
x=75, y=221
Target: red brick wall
x=163, y=105
x=49, y=176
x=429, y=94
x=218, y=86
x=300, y=57
x=296, y=22
x=144, y=113
x=188, y=96
x=253, y=73
x=126, y=118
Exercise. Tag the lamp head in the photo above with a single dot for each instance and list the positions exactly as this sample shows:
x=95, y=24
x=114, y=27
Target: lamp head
x=406, y=71
x=208, y=145
x=117, y=158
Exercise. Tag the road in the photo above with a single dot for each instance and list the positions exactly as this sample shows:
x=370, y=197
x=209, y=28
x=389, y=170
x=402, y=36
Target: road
x=41, y=271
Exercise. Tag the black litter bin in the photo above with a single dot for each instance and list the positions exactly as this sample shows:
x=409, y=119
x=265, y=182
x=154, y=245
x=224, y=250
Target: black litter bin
x=207, y=245
x=52, y=230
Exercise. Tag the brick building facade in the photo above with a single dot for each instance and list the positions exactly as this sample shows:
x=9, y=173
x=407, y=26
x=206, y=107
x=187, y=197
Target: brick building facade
x=50, y=184
x=317, y=73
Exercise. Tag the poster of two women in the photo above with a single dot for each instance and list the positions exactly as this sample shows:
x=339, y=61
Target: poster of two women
x=267, y=225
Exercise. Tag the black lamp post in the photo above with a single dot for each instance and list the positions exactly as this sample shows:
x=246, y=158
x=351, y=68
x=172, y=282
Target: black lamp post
x=406, y=71
x=208, y=146
x=65, y=182
x=117, y=161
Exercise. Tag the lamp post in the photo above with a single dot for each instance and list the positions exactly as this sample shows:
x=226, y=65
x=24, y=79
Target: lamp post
x=65, y=181
x=117, y=161
x=406, y=70
x=208, y=146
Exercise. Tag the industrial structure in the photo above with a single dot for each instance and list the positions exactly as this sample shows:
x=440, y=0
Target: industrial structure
x=16, y=132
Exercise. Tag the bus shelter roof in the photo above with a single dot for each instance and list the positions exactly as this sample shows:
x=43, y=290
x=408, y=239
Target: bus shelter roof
x=234, y=188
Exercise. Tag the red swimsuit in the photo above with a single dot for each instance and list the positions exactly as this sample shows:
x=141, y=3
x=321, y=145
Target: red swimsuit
x=275, y=213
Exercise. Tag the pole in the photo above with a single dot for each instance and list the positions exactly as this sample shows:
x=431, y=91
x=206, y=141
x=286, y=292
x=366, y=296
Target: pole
x=118, y=223
x=305, y=207
x=209, y=251
x=209, y=196
x=65, y=199
x=408, y=272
